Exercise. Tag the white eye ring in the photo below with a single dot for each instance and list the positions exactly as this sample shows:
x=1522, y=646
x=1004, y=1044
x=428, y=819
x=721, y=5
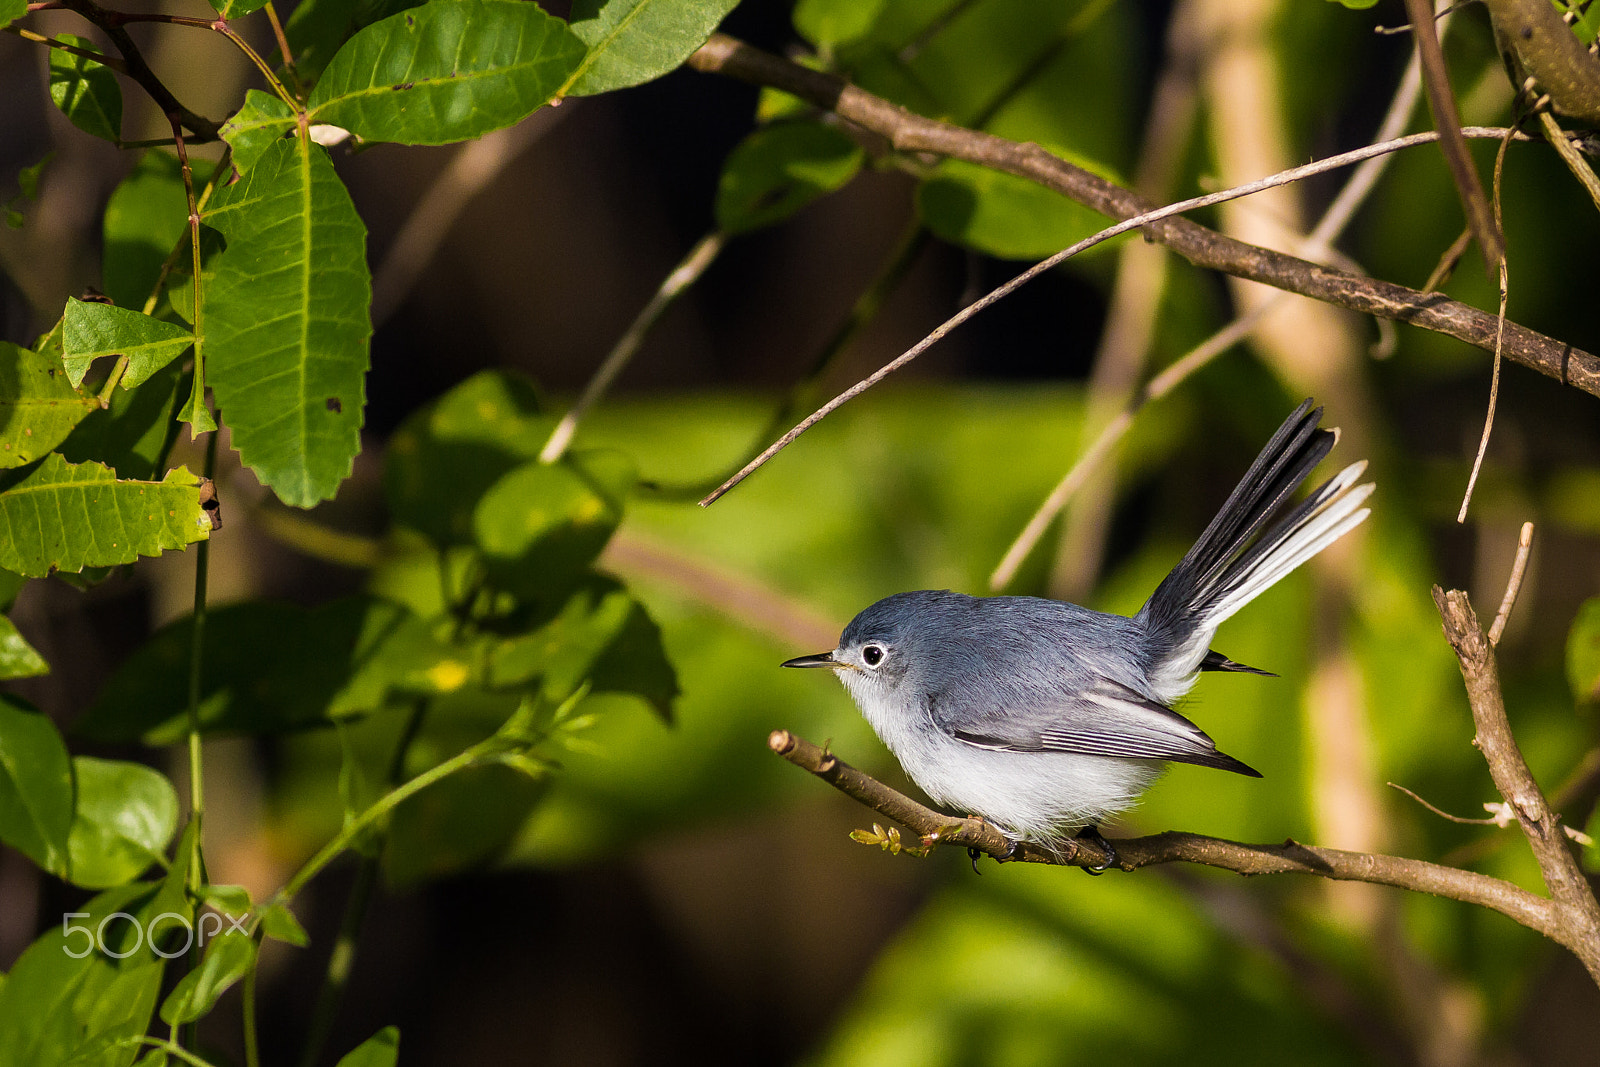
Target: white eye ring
x=872, y=655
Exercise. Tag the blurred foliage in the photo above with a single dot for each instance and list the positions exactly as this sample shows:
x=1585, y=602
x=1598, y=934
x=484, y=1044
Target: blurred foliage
x=588, y=662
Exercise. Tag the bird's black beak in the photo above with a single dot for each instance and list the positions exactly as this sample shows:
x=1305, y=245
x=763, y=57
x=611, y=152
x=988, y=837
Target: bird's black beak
x=821, y=659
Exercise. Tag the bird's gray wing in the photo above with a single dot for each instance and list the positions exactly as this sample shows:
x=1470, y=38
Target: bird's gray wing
x=1104, y=719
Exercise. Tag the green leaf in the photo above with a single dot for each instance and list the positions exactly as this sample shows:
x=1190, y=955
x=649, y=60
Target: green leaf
x=287, y=322
x=27, y=190
x=125, y=817
x=272, y=667
x=230, y=900
x=318, y=27
x=144, y=219
x=445, y=457
x=93, y=330
x=233, y=9
x=279, y=923
x=635, y=41
x=12, y=9
x=35, y=786
x=1004, y=215
x=86, y=91
x=826, y=23
x=156, y=1057
x=18, y=658
x=542, y=521
x=779, y=169
x=254, y=127
x=382, y=1049
x=136, y=433
x=38, y=405
x=1583, y=653
x=229, y=957
x=1356, y=5
x=71, y=999
x=63, y=516
x=446, y=72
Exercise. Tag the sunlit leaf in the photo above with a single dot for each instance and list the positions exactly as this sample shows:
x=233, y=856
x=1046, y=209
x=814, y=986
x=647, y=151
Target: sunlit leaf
x=233, y=9
x=61, y=516
x=317, y=28
x=446, y=72
x=91, y=980
x=85, y=91
x=635, y=41
x=12, y=9
x=279, y=923
x=382, y=1049
x=254, y=127
x=93, y=330
x=38, y=405
x=779, y=169
x=287, y=323
x=125, y=817
x=229, y=957
x=18, y=658
x=35, y=786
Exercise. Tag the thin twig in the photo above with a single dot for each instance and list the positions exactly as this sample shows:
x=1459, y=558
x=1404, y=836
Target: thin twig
x=283, y=47
x=1519, y=567
x=71, y=49
x=138, y=70
x=1571, y=156
x=1463, y=820
x=1499, y=342
x=685, y=274
x=1136, y=222
x=1290, y=857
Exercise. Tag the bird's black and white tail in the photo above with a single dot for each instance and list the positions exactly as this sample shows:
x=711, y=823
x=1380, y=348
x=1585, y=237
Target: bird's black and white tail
x=1224, y=570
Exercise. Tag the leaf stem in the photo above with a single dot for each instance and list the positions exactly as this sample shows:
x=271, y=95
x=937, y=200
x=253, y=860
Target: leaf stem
x=283, y=47
x=383, y=806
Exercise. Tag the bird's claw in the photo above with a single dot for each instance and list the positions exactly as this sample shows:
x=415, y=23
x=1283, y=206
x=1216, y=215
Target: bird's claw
x=1092, y=834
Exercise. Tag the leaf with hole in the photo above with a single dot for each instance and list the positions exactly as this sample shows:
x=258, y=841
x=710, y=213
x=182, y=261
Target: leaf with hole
x=125, y=816
x=35, y=785
x=286, y=320
x=93, y=330
x=446, y=72
x=38, y=405
x=62, y=516
x=86, y=91
x=779, y=169
x=635, y=41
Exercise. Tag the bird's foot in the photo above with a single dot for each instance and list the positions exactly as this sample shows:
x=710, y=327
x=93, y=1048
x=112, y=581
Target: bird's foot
x=1092, y=834
x=1012, y=845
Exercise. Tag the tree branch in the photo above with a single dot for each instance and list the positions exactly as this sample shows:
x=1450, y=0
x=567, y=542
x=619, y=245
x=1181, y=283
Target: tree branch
x=1577, y=912
x=1200, y=245
x=1533, y=911
x=137, y=69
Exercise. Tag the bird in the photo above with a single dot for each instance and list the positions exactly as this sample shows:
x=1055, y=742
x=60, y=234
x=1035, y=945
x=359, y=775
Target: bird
x=1046, y=719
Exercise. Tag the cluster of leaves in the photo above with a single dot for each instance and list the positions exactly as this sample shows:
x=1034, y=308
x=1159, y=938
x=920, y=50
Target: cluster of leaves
x=484, y=625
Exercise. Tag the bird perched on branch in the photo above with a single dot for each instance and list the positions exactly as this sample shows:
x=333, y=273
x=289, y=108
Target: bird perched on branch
x=1045, y=718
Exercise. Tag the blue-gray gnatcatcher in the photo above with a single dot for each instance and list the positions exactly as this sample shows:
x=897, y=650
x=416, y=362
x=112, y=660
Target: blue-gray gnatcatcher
x=1043, y=717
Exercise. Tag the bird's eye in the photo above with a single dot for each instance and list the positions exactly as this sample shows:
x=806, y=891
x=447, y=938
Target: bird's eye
x=872, y=655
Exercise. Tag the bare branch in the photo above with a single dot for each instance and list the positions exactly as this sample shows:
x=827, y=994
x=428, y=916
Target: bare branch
x=1578, y=911
x=1519, y=567
x=1290, y=857
x=1202, y=246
